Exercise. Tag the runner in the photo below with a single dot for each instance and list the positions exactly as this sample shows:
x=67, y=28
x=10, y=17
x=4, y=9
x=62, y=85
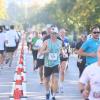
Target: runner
x=63, y=58
x=40, y=58
x=51, y=48
x=91, y=75
x=81, y=59
x=11, y=38
x=29, y=41
x=35, y=48
x=2, y=41
x=89, y=47
x=48, y=30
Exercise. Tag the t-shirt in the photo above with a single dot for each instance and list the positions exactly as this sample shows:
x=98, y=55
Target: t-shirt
x=64, y=53
x=35, y=43
x=40, y=44
x=92, y=74
x=11, y=38
x=29, y=38
x=90, y=46
x=66, y=42
x=2, y=40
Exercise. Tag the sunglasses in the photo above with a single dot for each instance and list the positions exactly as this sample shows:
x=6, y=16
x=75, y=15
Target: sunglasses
x=96, y=32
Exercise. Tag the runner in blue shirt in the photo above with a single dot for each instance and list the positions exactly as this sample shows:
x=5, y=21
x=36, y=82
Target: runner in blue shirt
x=89, y=48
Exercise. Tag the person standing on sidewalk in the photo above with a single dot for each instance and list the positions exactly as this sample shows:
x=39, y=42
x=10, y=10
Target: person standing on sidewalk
x=51, y=50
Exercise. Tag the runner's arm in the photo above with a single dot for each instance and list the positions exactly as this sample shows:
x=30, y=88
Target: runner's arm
x=44, y=49
x=82, y=53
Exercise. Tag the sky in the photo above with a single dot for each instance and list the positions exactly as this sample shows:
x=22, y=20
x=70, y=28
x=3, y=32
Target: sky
x=29, y=2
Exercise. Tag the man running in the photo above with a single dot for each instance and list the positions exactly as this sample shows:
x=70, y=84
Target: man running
x=89, y=47
x=11, y=43
x=91, y=75
x=40, y=58
x=63, y=58
x=51, y=50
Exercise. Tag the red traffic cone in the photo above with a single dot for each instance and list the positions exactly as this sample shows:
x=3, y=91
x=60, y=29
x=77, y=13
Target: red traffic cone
x=17, y=92
x=19, y=69
x=22, y=50
x=21, y=61
x=23, y=77
x=21, y=90
x=18, y=80
x=21, y=56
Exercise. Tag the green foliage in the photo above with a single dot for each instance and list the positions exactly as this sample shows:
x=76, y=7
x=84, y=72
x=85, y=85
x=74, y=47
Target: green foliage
x=3, y=14
x=72, y=14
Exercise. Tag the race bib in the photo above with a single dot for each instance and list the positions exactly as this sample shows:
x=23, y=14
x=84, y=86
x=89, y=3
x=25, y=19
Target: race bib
x=52, y=56
x=35, y=47
x=96, y=93
x=39, y=56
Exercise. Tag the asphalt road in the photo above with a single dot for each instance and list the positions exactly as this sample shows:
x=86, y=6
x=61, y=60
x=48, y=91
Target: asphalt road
x=34, y=90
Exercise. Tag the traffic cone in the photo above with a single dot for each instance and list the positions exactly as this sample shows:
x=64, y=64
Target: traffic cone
x=23, y=77
x=24, y=69
x=22, y=50
x=17, y=93
x=21, y=91
x=21, y=56
x=18, y=79
x=21, y=60
x=19, y=69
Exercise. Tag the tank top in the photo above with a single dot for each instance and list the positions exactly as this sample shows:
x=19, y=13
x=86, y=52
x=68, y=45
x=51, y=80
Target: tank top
x=53, y=57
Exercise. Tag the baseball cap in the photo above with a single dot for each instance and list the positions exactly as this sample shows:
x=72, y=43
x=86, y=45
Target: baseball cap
x=54, y=30
x=48, y=26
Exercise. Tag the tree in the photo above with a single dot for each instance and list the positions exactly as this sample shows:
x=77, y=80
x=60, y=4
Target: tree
x=3, y=14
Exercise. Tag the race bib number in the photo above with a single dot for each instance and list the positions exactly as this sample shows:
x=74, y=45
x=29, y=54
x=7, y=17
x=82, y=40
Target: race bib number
x=35, y=47
x=39, y=56
x=96, y=94
x=52, y=56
